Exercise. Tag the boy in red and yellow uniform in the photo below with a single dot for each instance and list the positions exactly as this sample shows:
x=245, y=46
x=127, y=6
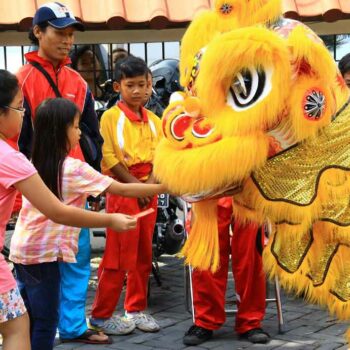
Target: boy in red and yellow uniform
x=131, y=134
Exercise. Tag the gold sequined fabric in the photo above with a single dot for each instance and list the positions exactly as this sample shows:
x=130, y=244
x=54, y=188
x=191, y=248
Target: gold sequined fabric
x=289, y=252
x=293, y=175
x=312, y=255
x=319, y=267
x=317, y=259
x=337, y=212
x=341, y=290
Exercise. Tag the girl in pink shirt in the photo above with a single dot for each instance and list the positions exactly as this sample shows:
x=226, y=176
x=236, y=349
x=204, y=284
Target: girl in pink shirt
x=17, y=173
x=38, y=244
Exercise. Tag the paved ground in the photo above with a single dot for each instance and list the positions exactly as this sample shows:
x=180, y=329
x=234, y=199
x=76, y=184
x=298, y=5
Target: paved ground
x=307, y=327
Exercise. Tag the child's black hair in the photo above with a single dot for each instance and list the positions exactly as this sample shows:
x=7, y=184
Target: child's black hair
x=51, y=145
x=130, y=67
x=8, y=88
x=344, y=64
x=33, y=39
x=119, y=54
x=77, y=53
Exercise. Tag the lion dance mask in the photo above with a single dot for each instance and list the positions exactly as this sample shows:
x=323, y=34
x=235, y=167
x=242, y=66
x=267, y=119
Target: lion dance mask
x=264, y=111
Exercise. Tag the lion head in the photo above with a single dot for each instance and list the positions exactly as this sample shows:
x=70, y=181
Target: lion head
x=255, y=84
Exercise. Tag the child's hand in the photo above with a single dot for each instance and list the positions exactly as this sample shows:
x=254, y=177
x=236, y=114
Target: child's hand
x=122, y=222
x=143, y=202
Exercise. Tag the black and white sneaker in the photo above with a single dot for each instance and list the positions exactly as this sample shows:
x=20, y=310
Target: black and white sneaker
x=197, y=335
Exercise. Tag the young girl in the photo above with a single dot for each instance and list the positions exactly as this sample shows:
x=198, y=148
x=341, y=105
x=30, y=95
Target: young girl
x=38, y=243
x=17, y=173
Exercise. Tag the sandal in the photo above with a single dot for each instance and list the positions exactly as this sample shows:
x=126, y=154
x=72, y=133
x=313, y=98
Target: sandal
x=85, y=338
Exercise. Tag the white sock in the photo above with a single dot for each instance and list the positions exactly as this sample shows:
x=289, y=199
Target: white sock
x=131, y=313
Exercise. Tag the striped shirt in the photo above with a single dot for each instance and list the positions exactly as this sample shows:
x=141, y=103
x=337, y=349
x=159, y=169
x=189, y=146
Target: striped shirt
x=37, y=239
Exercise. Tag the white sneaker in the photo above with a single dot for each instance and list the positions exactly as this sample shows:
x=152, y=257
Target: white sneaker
x=114, y=326
x=142, y=321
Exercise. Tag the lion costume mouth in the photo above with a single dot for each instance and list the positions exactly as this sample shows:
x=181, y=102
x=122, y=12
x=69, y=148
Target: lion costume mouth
x=210, y=169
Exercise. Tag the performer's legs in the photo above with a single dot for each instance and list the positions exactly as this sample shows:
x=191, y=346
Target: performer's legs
x=249, y=279
x=209, y=289
x=108, y=292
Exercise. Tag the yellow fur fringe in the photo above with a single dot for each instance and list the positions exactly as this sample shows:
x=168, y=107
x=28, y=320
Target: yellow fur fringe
x=201, y=250
x=330, y=243
x=187, y=172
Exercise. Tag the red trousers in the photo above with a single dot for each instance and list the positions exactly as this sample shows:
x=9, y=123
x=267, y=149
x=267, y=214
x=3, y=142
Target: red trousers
x=209, y=289
x=126, y=254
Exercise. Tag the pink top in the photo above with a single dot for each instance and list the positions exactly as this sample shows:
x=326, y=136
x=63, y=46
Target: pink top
x=37, y=239
x=14, y=167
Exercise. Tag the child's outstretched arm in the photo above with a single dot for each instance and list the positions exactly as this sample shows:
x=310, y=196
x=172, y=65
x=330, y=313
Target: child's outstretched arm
x=34, y=189
x=133, y=187
x=123, y=175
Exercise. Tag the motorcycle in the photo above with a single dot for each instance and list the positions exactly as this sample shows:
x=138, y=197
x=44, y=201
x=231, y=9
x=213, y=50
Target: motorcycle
x=169, y=231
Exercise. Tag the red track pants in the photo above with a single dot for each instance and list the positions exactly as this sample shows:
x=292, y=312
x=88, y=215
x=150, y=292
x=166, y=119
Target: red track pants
x=209, y=289
x=126, y=254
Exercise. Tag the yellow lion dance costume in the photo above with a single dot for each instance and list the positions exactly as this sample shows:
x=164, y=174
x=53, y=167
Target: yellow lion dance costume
x=265, y=112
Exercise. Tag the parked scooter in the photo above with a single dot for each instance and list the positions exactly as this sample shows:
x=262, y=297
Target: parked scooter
x=169, y=231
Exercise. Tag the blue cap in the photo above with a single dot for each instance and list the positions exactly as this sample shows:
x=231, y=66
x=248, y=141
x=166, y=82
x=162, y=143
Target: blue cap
x=56, y=15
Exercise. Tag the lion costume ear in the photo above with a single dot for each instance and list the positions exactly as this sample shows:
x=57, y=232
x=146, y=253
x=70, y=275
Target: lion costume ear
x=200, y=32
x=228, y=10
x=204, y=28
x=306, y=47
x=225, y=16
x=248, y=12
x=314, y=83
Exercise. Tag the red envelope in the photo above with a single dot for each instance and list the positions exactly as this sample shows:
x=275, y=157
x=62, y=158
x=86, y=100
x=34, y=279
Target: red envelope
x=144, y=213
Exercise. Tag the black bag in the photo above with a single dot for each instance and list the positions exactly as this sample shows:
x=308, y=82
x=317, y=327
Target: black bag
x=87, y=143
x=88, y=147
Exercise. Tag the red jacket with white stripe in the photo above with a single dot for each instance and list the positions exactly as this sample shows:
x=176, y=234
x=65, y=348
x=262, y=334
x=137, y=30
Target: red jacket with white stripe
x=36, y=88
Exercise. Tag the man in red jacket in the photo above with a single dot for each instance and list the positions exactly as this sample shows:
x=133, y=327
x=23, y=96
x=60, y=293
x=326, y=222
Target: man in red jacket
x=53, y=32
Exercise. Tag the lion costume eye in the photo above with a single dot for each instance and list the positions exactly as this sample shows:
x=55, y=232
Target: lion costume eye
x=248, y=87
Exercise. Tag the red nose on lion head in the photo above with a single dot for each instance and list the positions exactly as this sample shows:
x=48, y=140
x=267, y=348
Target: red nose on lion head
x=187, y=129
x=199, y=130
x=179, y=125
